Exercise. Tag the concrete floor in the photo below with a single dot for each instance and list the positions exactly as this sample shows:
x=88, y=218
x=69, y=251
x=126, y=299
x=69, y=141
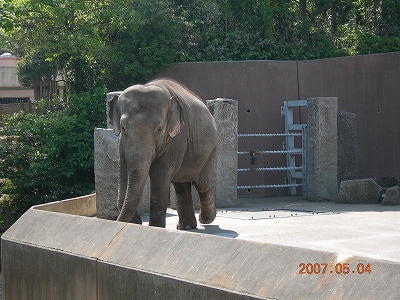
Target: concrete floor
x=365, y=230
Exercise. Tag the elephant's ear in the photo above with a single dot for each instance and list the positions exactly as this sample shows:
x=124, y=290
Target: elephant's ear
x=114, y=114
x=174, y=122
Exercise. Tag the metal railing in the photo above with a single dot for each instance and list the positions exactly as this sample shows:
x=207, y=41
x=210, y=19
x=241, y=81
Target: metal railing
x=291, y=131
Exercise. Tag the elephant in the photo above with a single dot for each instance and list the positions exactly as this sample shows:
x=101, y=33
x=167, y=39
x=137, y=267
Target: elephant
x=166, y=133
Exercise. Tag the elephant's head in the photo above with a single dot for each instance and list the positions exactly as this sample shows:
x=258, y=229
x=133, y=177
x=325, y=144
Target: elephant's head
x=147, y=118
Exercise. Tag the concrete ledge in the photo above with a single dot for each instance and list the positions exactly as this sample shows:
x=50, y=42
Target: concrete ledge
x=80, y=206
x=62, y=256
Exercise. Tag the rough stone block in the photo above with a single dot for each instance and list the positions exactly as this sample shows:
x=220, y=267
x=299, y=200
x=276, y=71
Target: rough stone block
x=225, y=113
x=359, y=191
x=322, y=149
x=347, y=146
x=392, y=196
x=106, y=160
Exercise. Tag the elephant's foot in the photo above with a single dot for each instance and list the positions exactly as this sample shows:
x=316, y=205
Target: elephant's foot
x=186, y=221
x=136, y=219
x=186, y=226
x=207, y=215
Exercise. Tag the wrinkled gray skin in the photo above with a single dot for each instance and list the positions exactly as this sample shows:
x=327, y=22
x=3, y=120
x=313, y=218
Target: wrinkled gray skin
x=168, y=133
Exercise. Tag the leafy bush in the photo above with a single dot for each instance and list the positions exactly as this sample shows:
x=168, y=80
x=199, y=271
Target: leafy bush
x=367, y=43
x=49, y=156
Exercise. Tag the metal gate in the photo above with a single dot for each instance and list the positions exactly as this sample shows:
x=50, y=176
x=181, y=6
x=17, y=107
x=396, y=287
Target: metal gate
x=288, y=148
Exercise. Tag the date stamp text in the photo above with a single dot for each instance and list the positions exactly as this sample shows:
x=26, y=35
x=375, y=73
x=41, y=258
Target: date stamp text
x=339, y=268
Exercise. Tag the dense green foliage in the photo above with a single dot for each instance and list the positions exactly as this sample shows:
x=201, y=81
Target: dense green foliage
x=120, y=42
x=111, y=44
x=91, y=43
x=49, y=156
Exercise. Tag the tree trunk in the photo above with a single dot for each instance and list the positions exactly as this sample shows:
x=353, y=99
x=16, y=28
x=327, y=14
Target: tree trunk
x=334, y=17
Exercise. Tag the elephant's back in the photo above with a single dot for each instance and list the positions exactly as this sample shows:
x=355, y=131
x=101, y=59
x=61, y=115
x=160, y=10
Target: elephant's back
x=195, y=112
x=178, y=90
x=199, y=130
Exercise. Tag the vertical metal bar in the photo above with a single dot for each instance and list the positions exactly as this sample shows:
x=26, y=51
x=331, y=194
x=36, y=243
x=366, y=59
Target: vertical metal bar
x=304, y=160
x=290, y=159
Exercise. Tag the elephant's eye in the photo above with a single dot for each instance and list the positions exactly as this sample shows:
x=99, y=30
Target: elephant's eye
x=158, y=126
x=159, y=129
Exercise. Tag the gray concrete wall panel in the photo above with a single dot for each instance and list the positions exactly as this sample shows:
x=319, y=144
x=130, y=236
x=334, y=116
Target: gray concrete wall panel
x=33, y=272
x=147, y=285
x=368, y=86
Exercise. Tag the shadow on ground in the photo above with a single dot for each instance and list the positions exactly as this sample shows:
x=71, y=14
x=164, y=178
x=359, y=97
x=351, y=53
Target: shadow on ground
x=215, y=230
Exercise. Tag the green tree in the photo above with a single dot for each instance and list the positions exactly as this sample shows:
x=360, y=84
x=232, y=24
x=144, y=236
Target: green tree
x=104, y=43
x=63, y=32
x=33, y=71
x=139, y=37
x=49, y=156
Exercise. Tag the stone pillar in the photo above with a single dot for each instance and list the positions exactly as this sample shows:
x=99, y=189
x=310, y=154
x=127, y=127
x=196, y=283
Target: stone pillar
x=322, y=144
x=106, y=170
x=347, y=146
x=225, y=113
x=106, y=160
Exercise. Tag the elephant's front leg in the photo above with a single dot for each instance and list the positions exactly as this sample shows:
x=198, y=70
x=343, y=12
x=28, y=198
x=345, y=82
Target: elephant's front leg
x=159, y=190
x=184, y=201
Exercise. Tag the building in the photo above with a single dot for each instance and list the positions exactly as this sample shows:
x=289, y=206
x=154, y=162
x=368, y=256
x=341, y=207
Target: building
x=10, y=90
x=13, y=97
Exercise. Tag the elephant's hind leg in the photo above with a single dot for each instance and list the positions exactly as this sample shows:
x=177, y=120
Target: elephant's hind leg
x=187, y=219
x=208, y=212
x=204, y=187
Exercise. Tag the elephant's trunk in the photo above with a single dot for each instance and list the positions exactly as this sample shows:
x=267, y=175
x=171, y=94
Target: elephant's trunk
x=137, y=171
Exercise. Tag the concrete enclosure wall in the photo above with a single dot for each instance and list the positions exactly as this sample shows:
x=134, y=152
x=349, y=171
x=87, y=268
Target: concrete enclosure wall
x=50, y=253
x=364, y=85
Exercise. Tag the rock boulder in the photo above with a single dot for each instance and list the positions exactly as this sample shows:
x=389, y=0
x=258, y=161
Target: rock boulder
x=359, y=191
x=392, y=196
